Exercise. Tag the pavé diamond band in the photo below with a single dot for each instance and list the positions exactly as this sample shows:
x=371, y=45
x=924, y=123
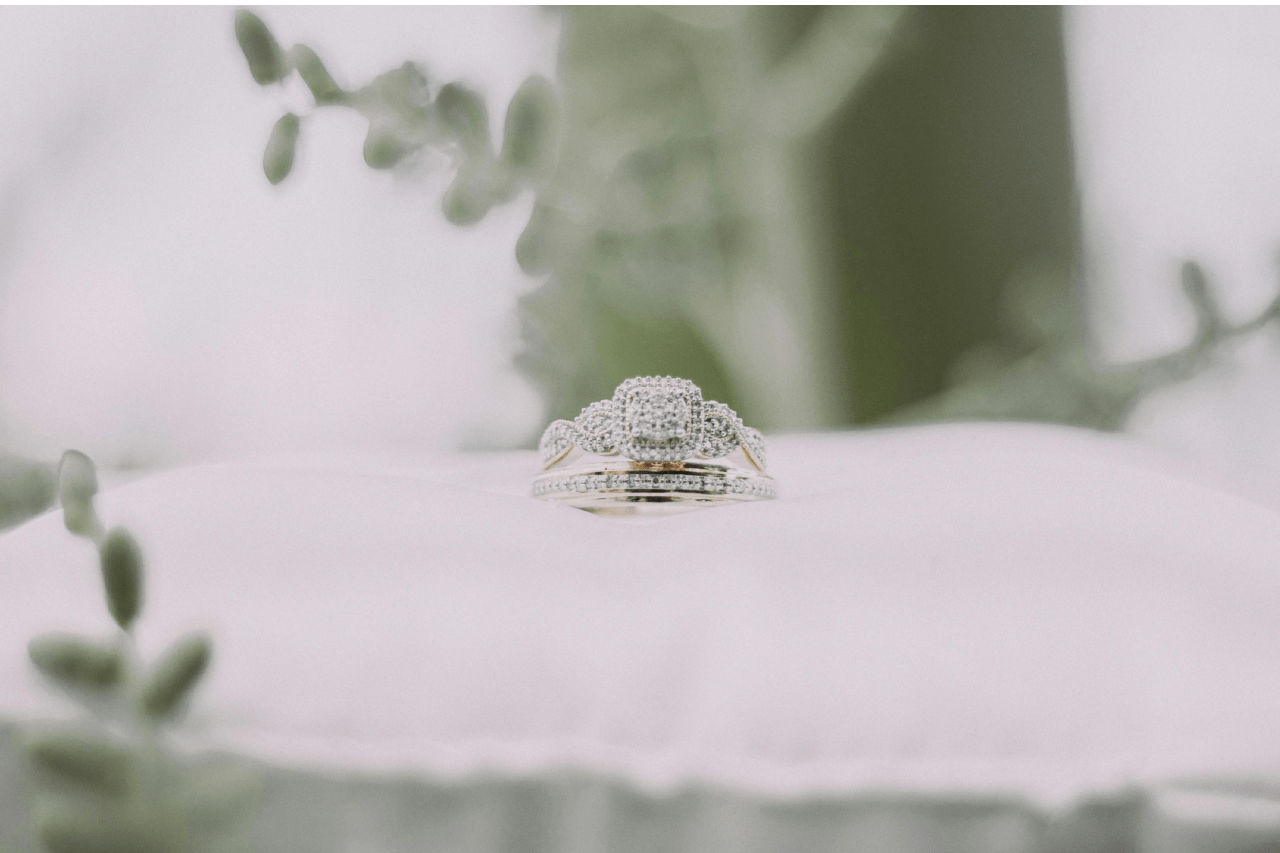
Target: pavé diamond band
x=668, y=434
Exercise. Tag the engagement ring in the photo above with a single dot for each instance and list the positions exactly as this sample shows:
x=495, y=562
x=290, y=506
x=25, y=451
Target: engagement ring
x=668, y=436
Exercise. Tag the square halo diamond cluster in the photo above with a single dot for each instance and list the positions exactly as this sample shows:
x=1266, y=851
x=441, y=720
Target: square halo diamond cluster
x=660, y=419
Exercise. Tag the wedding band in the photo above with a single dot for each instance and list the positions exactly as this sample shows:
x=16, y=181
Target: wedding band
x=668, y=434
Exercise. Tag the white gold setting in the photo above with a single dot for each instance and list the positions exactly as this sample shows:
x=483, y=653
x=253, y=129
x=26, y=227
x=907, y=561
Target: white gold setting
x=664, y=427
x=654, y=419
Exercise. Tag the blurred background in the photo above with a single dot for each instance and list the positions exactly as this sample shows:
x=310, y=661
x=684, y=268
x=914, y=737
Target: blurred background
x=825, y=217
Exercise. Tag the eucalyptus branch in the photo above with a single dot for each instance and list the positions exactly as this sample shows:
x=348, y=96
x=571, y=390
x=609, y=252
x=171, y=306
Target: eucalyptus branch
x=405, y=118
x=824, y=71
x=1061, y=381
x=112, y=786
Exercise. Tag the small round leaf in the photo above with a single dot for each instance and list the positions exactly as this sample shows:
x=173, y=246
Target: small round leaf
x=82, y=759
x=267, y=62
x=323, y=87
x=277, y=160
x=463, y=117
x=122, y=576
x=75, y=662
x=467, y=200
x=529, y=134
x=383, y=148
x=77, y=485
x=176, y=675
x=402, y=91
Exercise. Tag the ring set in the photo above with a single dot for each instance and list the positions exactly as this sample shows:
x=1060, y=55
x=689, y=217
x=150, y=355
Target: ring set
x=669, y=435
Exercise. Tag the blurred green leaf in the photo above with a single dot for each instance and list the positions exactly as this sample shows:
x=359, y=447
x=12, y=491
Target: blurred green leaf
x=26, y=489
x=467, y=200
x=176, y=675
x=82, y=759
x=122, y=576
x=217, y=795
x=71, y=829
x=76, y=662
x=1195, y=284
x=402, y=91
x=267, y=62
x=323, y=87
x=463, y=117
x=383, y=147
x=531, y=128
x=277, y=160
x=538, y=245
x=77, y=485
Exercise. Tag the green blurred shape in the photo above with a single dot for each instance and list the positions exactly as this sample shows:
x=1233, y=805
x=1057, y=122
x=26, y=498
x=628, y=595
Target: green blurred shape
x=1195, y=284
x=175, y=676
x=277, y=159
x=463, y=117
x=468, y=199
x=402, y=90
x=76, y=662
x=529, y=133
x=323, y=87
x=86, y=828
x=383, y=147
x=948, y=172
x=77, y=485
x=623, y=344
x=122, y=576
x=26, y=489
x=267, y=62
x=539, y=244
x=82, y=760
x=215, y=796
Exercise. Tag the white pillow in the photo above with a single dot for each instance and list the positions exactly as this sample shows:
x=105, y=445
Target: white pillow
x=994, y=610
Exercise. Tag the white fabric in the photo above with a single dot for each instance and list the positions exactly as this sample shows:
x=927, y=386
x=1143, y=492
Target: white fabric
x=998, y=609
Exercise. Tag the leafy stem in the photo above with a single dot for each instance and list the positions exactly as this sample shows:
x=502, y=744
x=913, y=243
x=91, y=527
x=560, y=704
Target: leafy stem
x=113, y=785
x=406, y=118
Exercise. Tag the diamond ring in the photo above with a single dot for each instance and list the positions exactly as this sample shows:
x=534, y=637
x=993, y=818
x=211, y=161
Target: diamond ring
x=669, y=434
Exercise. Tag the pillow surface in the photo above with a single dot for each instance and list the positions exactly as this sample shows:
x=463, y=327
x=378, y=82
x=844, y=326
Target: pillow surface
x=996, y=611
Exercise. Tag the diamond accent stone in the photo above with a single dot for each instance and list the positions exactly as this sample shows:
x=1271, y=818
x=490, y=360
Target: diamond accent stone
x=660, y=419
x=558, y=440
x=596, y=426
x=657, y=485
x=654, y=419
x=720, y=429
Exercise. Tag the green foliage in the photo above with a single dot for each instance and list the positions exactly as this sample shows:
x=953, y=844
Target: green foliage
x=463, y=118
x=82, y=760
x=267, y=63
x=83, y=828
x=467, y=200
x=178, y=672
x=122, y=576
x=650, y=212
x=77, y=485
x=1195, y=285
x=277, y=159
x=404, y=118
x=324, y=89
x=77, y=663
x=116, y=788
x=529, y=135
x=1060, y=379
x=26, y=489
x=664, y=223
x=383, y=147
